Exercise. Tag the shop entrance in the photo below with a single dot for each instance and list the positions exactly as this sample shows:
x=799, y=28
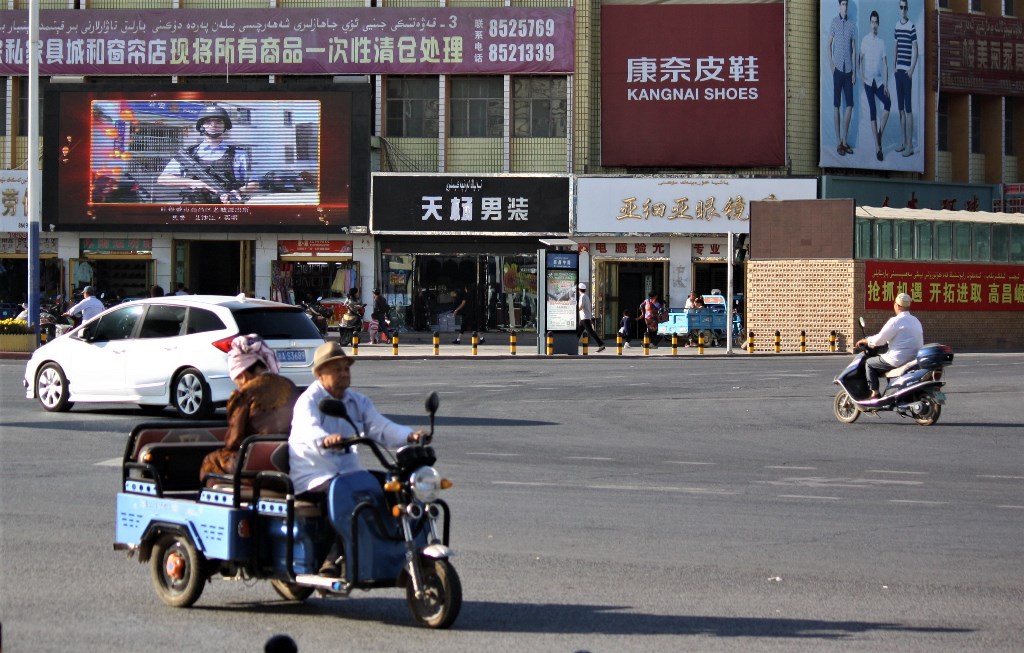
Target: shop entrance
x=715, y=276
x=623, y=286
x=213, y=267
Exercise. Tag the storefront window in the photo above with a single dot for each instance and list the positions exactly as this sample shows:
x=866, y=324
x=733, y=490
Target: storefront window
x=962, y=241
x=982, y=242
x=538, y=106
x=883, y=240
x=1017, y=243
x=924, y=241
x=1000, y=242
x=904, y=239
x=943, y=241
x=312, y=281
x=477, y=107
x=412, y=107
x=862, y=247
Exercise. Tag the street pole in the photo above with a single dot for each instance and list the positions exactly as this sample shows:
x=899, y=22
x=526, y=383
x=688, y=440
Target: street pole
x=731, y=254
x=34, y=191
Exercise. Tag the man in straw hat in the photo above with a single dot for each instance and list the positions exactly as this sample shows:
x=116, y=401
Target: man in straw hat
x=312, y=456
x=904, y=335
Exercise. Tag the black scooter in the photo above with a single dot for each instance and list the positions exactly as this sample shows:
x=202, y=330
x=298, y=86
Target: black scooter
x=913, y=389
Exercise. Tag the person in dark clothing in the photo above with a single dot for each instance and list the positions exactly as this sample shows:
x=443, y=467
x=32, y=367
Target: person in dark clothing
x=381, y=308
x=465, y=305
x=420, y=310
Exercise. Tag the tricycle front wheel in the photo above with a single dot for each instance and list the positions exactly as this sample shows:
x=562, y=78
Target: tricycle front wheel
x=291, y=591
x=441, y=601
x=177, y=570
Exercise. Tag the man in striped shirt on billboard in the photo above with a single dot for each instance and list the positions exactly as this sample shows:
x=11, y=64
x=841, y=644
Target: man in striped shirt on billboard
x=906, y=62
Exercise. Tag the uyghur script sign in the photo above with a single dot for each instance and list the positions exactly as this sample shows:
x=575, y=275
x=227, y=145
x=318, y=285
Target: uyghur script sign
x=981, y=54
x=363, y=40
x=945, y=286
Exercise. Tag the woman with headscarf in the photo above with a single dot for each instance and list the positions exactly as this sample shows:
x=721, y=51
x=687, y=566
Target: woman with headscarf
x=262, y=404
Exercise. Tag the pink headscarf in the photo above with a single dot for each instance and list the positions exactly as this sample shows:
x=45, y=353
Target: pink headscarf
x=246, y=350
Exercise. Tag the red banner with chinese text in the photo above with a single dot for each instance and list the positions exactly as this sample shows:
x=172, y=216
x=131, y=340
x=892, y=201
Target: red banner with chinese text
x=945, y=286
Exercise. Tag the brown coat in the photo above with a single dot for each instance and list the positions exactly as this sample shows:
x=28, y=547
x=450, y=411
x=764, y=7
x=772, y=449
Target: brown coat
x=263, y=406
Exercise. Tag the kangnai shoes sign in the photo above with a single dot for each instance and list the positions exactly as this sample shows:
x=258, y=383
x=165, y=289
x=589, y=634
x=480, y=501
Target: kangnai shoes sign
x=358, y=40
x=13, y=200
x=945, y=286
x=509, y=205
x=693, y=85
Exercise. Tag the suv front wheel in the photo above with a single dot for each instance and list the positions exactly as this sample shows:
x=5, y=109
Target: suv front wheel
x=190, y=395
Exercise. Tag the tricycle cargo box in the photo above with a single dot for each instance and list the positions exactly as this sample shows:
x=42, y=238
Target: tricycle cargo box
x=934, y=355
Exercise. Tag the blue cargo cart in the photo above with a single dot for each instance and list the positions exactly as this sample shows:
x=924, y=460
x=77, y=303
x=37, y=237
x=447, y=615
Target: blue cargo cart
x=709, y=321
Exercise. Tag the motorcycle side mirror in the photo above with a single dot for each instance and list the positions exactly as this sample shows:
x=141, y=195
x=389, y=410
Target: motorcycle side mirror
x=336, y=408
x=432, y=404
x=861, y=321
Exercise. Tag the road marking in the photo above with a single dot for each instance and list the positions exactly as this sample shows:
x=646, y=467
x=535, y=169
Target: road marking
x=630, y=488
x=923, y=503
x=491, y=453
x=588, y=458
x=687, y=462
x=806, y=496
x=786, y=467
x=893, y=471
x=1012, y=507
x=113, y=462
x=1012, y=478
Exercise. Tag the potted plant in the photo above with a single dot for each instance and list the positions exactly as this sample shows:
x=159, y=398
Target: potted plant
x=16, y=336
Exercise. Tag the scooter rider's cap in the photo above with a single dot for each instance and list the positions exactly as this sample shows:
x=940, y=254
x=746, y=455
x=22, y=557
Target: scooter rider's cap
x=327, y=352
x=904, y=300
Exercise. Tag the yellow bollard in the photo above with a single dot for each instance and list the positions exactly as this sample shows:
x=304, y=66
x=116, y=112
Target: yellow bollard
x=618, y=344
x=512, y=343
x=778, y=342
x=586, y=344
x=832, y=342
x=675, y=344
x=803, y=342
x=355, y=344
x=549, y=341
x=750, y=342
x=700, y=342
x=474, y=342
x=647, y=344
x=394, y=344
x=437, y=343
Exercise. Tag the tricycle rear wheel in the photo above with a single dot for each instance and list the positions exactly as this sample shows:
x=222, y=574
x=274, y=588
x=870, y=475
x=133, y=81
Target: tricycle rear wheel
x=442, y=594
x=177, y=570
x=291, y=591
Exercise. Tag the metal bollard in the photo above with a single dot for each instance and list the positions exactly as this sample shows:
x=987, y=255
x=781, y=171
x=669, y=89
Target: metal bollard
x=549, y=341
x=586, y=344
x=675, y=344
x=700, y=342
x=803, y=342
x=474, y=342
x=394, y=344
x=750, y=342
x=647, y=344
x=618, y=344
x=832, y=342
x=512, y=342
x=355, y=344
x=778, y=342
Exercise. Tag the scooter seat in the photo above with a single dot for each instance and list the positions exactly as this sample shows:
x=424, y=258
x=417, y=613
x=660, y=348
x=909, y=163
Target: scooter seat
x=901, y=370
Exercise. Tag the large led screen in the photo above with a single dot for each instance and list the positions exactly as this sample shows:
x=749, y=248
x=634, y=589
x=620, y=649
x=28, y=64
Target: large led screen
x=212, y=157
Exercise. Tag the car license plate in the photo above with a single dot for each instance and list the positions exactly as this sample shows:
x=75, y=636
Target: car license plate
x=939, y=397
x=291, y=355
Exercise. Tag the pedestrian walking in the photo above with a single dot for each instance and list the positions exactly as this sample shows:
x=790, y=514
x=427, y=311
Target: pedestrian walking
x=585, y=313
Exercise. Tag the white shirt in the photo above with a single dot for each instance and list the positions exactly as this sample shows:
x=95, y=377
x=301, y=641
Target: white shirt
x=312, y=465
x=584, y=307
x=872, y=50
x=89, y=307
x=904, y=335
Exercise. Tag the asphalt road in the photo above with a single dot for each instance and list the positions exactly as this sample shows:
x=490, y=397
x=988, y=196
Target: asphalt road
x=602, y=504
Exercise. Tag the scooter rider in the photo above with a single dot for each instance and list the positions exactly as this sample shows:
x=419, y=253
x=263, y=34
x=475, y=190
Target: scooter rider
x=313, y=462
x=904, y=335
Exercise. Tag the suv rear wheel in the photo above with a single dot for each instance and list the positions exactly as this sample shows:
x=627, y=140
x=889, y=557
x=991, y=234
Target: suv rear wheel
x=190, y=395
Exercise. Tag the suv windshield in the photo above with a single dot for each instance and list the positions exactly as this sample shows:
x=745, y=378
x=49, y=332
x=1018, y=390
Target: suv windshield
x=277, y=323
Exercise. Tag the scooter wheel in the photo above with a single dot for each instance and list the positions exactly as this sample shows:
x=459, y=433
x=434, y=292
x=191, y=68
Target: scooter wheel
x=441, y=600
x=845, y=408
x=931, y=414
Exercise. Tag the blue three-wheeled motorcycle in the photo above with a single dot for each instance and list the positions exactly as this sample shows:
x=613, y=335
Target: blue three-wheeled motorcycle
x=249, y=525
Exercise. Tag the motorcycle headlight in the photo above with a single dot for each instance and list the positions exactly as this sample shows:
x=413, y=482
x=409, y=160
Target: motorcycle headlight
x=426, y=483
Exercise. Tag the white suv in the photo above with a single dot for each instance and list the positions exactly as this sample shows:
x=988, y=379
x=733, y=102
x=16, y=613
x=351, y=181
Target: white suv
x=167, y=351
